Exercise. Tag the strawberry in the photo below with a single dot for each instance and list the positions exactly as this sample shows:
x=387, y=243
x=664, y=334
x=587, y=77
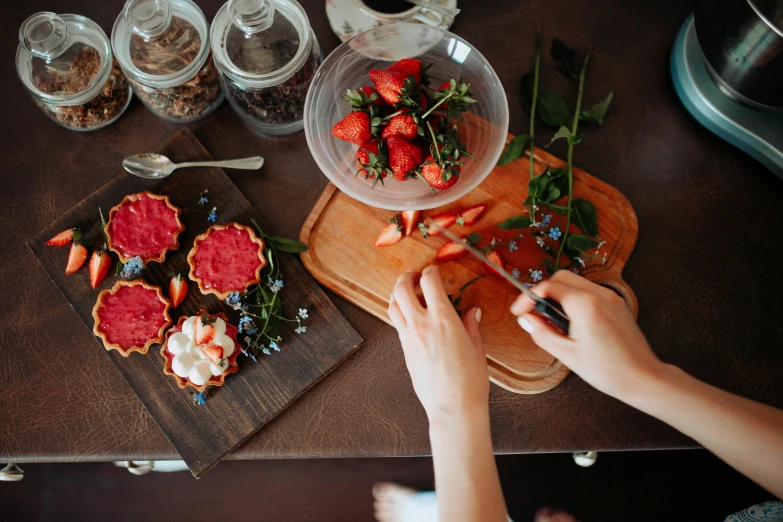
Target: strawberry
x=408, y=66
x=401, y=125
x=404, y=157
x=178, y=289
x=100, y=263
x=62, y=239
x=410, y=218
x=389, y=235
x=437, y=177
x=470, y=215
x=205, y=329
x=445, y=86
x=354, y=128
x=449, y=251
x=363, y=157
x=369, y=91
x=495, y=258
x=213, y=352
x=445, y=220
x=76, y=258
x=393, y=86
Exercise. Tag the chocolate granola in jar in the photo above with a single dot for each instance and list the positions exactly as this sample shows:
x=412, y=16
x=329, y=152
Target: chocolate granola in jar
x=163, y=48
x=66, y=64
x=267, y=55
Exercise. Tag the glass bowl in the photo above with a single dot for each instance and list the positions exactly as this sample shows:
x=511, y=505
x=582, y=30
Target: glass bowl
x=483, y=129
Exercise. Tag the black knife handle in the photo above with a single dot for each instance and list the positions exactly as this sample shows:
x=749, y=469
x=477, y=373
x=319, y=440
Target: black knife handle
x=551, y=310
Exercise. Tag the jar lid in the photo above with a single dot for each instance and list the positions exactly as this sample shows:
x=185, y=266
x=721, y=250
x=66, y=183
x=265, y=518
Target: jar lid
x=161, y=43
x=259, y=43
x=62, y=59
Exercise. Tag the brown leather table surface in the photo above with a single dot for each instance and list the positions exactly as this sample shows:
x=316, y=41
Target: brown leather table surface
x=706, y=267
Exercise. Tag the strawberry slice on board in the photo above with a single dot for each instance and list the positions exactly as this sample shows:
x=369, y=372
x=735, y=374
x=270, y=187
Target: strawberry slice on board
x=469, y=216
x=63, y=238
x=213, y=352
x=76, y=258
x=410, y=219
x=100, y=263
x=494, y=256
x=444, y=219
x=178, y=289
x=450, y=251
x=391, y=234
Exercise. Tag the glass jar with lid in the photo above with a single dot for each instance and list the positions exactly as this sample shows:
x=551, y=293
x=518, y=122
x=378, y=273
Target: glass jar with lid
x=267, y=55
x=163, y=48
x=66, y=64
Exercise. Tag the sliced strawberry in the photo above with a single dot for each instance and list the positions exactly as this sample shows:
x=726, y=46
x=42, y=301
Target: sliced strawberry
x=369, y=91
x=390, y=84
x=401, y=125
x=451, y=250
x=410, y=218
x=470, y=215
x=178, y=289
x=494, y=256
x=445, y=220
x=62, y=239
x=390, y=235
x=434, y=175
x=408, y=66
x=76, y=258
x=100, y=263
x=205, y=329
x=404, y=157
x=354, y=128
x=213, y=352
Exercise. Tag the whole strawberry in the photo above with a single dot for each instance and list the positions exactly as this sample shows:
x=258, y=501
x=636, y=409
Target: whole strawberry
x=408, y=66
x=393, y=86
x=354, y=128
x=401, y=125
x=438, y=176
x=404, y=157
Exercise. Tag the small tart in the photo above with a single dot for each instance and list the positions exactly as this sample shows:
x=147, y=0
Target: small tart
x=186, y=361
x=145, y=225
x=226, y=258
x=131, y=316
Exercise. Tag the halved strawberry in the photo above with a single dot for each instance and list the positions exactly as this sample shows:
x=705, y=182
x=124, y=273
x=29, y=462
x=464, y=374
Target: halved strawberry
x=178, y=289
x=401, y=125
x=410, y=218
x=213, y=352
x=404, y=157
x=354, y=128
x=451, y=250
x=62, y=239
x=205, y=329
x=445, y=220
x=100, y=263
x=391, y=85
x=390, y=235
x=408, y=66
x=76, y=258
x=494, y=256
x=470, y=215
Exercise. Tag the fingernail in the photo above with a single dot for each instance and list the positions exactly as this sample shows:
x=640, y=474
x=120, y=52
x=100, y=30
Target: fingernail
x=525, y=324
x=478, y=315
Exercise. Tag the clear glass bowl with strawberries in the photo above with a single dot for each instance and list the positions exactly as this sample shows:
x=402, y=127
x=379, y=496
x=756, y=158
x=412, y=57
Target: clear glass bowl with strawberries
x=381, y=101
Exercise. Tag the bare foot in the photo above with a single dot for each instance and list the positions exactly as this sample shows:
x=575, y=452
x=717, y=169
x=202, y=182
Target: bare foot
x=546, y=514
x=391, y=501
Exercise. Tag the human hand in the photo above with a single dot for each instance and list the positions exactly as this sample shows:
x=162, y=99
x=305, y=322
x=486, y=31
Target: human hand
x=443, y=353
x=605, y=346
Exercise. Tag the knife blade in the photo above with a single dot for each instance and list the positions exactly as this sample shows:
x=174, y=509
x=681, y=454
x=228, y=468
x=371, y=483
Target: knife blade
x=547, y=307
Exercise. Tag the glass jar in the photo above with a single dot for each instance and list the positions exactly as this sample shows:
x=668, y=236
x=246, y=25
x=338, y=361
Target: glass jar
x=162, y=47
x=66, y=64
x=267, y=55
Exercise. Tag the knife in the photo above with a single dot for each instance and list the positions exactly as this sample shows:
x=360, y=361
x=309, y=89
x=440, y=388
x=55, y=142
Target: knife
x=546, y=307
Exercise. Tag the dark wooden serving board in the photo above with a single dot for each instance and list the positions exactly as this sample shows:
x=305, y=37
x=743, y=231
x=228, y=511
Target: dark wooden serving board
x=252, y=397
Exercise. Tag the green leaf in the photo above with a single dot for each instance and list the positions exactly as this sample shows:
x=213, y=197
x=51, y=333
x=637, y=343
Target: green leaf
x=537, y=185
x=553, y=109
x=580, y=242
x=514, y=149
x=597, y=112
x=552, y=193
x=562, y=132
x=585, y=216
x=463, y=287
x=566, y=58
x=473, y=238
x=527, y=88
x=283, y=244
x=515, y=222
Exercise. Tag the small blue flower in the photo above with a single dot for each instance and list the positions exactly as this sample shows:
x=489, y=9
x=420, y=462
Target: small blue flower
x=203, y=200
x=575, y=270
x=528, y=285
x=252, y=330
x=540, y=241
x=199, y=398
x=246, y=324
x=536, y=275
x=554, y=233
x=581, y=261
x=515, y=273
x=276, y=285
x=512, y=246
x=253, y=357
x=301, y=329
x=212, y=217
x=266, y=351
x=303, y=313
x=273, y=345
x=233, y=301
x=547, y=219
x=132, y=268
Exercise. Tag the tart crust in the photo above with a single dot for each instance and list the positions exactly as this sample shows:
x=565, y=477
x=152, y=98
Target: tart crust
x=125, y=352
x=192, y=261
x=133, y=197
x=233, y=367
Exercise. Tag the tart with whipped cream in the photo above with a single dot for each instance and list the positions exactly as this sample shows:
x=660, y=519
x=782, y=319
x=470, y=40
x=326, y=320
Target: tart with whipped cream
x=131, y=316
x=201, y=350
x=144, y=225
x=225, y=259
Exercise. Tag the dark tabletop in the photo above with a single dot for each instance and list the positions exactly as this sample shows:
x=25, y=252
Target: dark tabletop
x=705, y=269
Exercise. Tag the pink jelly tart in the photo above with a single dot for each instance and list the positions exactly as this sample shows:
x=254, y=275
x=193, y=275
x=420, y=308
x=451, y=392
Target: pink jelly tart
x=131, y=316
x=201, y=350
x=144, y=225
x=226, y=258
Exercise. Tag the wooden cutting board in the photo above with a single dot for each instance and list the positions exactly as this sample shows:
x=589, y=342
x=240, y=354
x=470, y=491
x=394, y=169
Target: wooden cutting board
x=252, y=397
x=340, y=232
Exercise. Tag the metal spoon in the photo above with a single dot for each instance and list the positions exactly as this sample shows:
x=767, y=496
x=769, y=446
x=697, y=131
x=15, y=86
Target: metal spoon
x=157, y=166
x=432, y=6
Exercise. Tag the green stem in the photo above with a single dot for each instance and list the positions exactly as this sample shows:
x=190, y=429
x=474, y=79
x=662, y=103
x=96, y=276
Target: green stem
x=434, y=142
x=536, y=69
x=392, y=115
x=570, y=159
x=449, y=95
